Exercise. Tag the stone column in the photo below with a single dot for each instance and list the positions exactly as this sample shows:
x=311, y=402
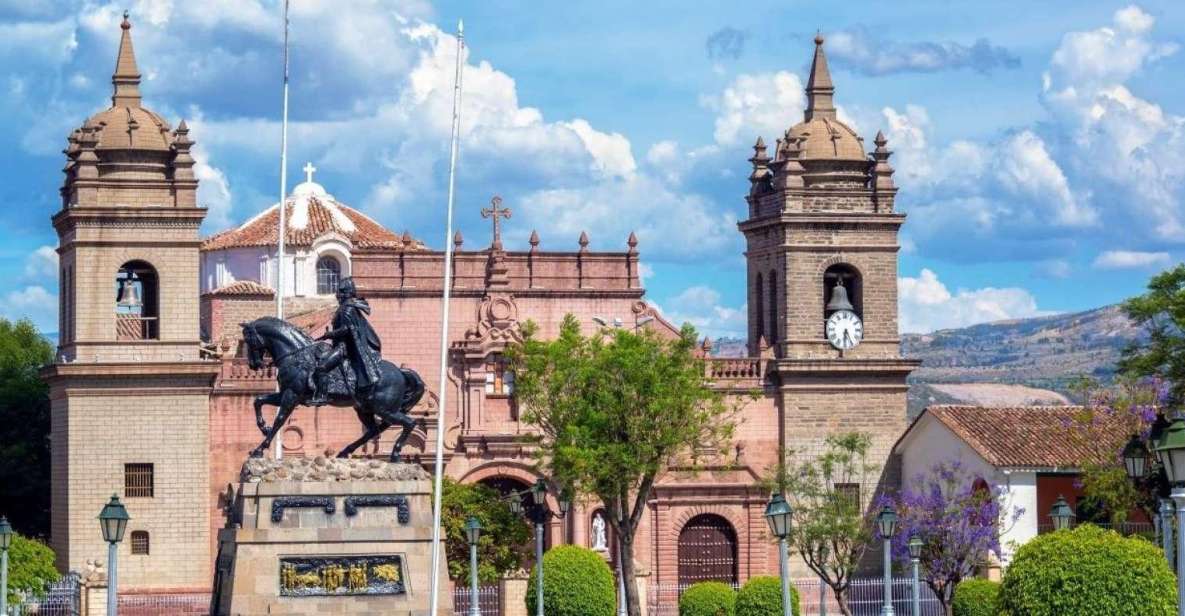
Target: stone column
x=514, y=593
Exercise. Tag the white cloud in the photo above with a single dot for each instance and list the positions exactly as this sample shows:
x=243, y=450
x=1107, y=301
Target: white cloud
x=1025, y=167
x=51, y=43
x=927, y=305
x=41, y=265
x=700, y=306
x=764, y=104
x=871, y=55
x=610, y=152
x=1131, y=259
x=32, y=302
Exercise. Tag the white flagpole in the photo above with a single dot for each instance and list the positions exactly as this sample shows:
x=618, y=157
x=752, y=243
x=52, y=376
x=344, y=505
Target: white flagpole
x=442, y=390
x=283, y=196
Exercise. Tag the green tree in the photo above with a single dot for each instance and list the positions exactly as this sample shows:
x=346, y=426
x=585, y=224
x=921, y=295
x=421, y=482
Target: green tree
x=614, y=410
x=24, y=427
x=505, y=537
x=831, y=526
x=30, y=567
x=1161, y=311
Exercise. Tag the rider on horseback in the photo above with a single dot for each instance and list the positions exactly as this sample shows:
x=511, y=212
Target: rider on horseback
x=353, y=338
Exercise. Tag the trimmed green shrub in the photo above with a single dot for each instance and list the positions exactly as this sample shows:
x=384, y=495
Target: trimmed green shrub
x=1088, y=571
x=708, y=599
x=30, y=567
x=762, y=596
x=976, y=598
x=576, y=582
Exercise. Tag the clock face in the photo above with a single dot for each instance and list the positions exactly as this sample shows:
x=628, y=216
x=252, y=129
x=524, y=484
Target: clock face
x=844, y=329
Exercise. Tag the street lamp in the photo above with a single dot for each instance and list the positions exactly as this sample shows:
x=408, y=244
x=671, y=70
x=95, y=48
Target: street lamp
x=473, y=533
x=915, y=555
x=1135, y=458
x=1166, y=529
x=1061, y=514
x=540, y=514
x=114, y=521
x=778, y=514
x=886, y=520
x=5, y=541
x=1171, y=451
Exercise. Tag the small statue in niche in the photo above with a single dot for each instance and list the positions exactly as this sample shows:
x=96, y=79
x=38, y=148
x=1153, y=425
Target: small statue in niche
x=600, y=542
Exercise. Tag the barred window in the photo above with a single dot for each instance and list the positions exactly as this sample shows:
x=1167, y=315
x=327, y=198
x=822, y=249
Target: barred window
x=140, y=542
x=849, y=493
x=137, y=480
x=499, y=377
x=329, y=272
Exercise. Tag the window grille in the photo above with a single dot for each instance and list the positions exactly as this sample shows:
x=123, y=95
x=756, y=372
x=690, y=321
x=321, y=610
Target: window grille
x=329, y=272
x=140, y=542
x=137, y=480
x=499, y=377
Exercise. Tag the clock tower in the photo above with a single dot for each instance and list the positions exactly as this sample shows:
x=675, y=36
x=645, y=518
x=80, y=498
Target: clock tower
x=821, y=248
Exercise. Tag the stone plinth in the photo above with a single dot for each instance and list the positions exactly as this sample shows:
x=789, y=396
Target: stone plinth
x=326, y=536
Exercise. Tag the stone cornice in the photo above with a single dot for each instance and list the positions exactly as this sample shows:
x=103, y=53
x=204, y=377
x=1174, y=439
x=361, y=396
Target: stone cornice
x=827, y=218
x=137, y=375
x=480, y=292
x=128, y=216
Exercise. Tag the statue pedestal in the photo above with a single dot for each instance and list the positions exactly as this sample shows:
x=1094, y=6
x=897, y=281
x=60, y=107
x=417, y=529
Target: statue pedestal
x=327, y=536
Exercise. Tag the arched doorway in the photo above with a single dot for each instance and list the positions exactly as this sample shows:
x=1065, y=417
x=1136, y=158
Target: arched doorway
x=707, y=551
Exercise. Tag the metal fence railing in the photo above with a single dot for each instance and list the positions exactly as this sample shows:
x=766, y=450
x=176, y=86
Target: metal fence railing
x=60, y=598
x=865, y=598
x=489, y=599
x=174, y=604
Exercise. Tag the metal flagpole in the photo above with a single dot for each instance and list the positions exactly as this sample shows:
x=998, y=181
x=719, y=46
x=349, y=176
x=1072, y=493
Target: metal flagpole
x=442, y=390
x=283, y=196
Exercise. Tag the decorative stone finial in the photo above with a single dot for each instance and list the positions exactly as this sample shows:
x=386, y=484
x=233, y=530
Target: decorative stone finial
x=880, y=140
x=818, y=37
x=457, y=240
x=534, y=241
x=632, y=242
x=583, y=241
x=819, y=89
x=407, y=239
x=126, y=78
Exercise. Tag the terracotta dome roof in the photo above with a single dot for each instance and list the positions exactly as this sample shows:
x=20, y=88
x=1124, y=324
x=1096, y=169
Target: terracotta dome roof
x=311, y=213
x=821, y=136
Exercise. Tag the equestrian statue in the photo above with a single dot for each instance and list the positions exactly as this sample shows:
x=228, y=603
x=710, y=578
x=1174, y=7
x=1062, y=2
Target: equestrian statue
x=349, y=371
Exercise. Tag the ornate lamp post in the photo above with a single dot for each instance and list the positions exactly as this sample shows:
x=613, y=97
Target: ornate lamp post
x=5, y=541
x=1135, y=458
x=886, y=522
x=1061, y=514
x=540, y=515
x=114, y=521
x=473, y=533
x=778, y=514
x=915, y=555
x=1171, y=450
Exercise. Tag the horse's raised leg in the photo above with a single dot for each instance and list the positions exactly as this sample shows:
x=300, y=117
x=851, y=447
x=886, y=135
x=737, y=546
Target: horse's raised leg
x=287, y=403
x=272, y=399
x=409, y=425
x=372, y=429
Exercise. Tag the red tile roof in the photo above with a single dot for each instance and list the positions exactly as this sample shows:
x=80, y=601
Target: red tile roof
x=361, y=230
x=244, y=287
x=1026, y=436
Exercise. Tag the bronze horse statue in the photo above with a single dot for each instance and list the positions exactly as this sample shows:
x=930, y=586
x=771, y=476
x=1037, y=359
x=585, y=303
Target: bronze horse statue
x=295, y=354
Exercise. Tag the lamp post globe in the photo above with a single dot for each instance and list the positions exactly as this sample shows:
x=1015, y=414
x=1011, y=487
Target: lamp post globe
x=516, y=504
x=565, y=501
x=113, y=519
x=886, y=522
x=539, y=492
x=473, y=530
x=1061, y=514
x=778, y=514
x=1135, y=458
x=5, y=533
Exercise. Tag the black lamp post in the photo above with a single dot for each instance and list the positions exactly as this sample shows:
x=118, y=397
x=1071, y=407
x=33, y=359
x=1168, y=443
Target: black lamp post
x=5, y=542
x=1135, y=458
x=540, y=515
x=1061, y=514
x=915, y=556
x=113, y=519
x=886, y=522
x=778, y=514
x=473, y=533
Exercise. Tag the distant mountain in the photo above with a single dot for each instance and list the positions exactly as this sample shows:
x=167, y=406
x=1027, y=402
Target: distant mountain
x=1016, y=362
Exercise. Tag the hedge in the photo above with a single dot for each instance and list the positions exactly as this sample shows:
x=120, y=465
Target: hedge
x=576, y=582
x=976, y=598
x=762, y=596
x=1088, y=571
x=708, y=599
x=30, y=567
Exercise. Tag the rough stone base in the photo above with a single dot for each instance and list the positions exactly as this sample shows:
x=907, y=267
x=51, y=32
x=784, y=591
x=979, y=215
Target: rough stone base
x=280, y=511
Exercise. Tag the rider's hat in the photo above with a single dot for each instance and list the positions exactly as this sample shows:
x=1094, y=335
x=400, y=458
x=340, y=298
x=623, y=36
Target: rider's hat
x=346, y=286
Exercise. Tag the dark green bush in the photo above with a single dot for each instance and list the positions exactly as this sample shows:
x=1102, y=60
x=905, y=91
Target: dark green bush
x=30, y=567
x=976, y=598
x=762, y=596
x=1088, y=571
x=576, y=582
x=708, y=599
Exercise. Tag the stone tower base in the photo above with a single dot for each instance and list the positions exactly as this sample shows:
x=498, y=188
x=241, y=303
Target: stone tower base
x=326, y=536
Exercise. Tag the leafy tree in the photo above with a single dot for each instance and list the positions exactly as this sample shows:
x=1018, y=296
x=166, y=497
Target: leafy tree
x=613, y=411
x=30, y=568
x=505, y=537
x=831, y=527
x=959, y=526
x=1161, y=311
x=24, y=427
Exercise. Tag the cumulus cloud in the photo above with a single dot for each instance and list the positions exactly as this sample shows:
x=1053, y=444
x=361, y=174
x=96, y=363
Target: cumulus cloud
x=870, y=54
x=727, y=43
x=764, y=104
x=1131, y=259
x=32, y=302
x=701, y=306
x=41, y=265
x=926, y=304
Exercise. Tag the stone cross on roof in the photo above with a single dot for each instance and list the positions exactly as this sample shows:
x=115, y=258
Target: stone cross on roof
x=496, y=212
x=308, y=172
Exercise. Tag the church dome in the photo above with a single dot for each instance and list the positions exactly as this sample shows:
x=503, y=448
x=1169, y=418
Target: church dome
x=821, y=136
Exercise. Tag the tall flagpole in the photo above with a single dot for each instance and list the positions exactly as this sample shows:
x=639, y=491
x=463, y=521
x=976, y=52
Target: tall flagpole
x=442, y=390
x=283, y=196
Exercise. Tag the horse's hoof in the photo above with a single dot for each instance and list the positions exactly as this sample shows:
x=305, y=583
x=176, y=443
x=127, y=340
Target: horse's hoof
x=343, y=455
x=256, y=453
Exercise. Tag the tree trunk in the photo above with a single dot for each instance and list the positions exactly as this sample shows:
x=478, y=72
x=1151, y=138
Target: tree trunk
x=842, y=598
x=625, y=543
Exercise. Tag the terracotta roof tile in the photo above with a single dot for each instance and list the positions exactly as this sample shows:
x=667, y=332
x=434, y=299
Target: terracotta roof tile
x=1026, y=436
x=244, y=287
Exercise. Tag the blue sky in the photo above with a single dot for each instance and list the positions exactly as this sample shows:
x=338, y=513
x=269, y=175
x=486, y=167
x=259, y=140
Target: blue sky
x=1039, y=147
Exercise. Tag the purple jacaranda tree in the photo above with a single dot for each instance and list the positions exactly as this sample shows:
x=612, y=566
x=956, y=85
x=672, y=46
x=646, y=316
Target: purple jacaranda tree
x=959, y=518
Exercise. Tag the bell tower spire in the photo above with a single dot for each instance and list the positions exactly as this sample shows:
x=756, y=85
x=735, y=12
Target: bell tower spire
x=126, y=78
x=820, y=92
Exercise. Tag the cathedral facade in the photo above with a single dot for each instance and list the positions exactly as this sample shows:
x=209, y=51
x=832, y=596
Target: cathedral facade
x=152, y=398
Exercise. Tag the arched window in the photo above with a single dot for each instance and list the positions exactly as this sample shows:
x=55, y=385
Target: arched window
x=852, y=283
x=137, y=302
x=140, y=542
x=329, y=272
x=707, y=551
x=759, y=303
x=773, y=307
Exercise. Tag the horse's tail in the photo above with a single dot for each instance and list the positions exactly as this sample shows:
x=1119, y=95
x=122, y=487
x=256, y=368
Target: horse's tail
x=413, y=389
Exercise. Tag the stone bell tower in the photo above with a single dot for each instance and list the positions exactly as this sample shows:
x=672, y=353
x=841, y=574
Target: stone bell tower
x=129, y=392
x=822, y=237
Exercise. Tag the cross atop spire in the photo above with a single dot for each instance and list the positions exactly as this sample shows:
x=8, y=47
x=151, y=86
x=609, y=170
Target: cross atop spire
x=126, y=78
x=496, y=212
x=819, y=89
x=308, y=169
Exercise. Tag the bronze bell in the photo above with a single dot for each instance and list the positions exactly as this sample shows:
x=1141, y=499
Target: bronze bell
x=129, y=295
x=839, y=298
